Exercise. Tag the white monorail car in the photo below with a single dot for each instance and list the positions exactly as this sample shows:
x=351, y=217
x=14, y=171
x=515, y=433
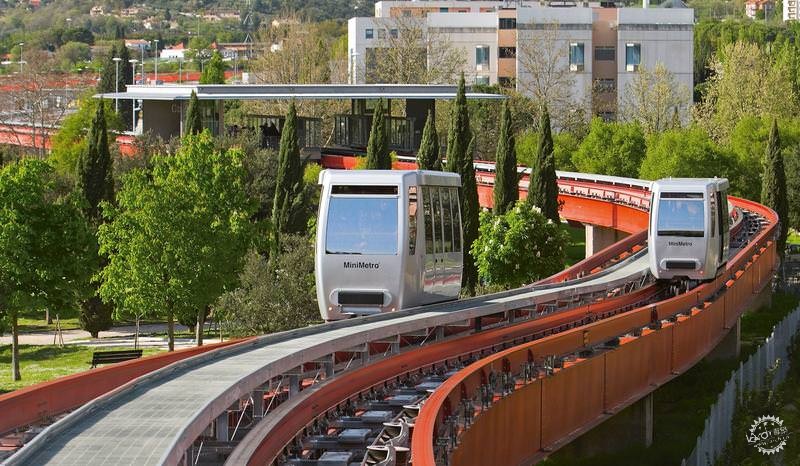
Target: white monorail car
x=387, y=240
x=689, y=228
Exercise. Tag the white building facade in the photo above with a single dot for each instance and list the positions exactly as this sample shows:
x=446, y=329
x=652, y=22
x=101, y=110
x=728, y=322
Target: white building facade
x=790, y=10
x=602, y=47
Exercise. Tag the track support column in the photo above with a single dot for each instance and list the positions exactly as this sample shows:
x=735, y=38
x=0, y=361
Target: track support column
x=222, y=427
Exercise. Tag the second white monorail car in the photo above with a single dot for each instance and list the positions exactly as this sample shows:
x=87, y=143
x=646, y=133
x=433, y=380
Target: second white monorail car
x=689, y=228
x=387, y=240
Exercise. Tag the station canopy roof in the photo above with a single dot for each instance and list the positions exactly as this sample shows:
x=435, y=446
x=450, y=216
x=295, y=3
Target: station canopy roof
x=172, y=92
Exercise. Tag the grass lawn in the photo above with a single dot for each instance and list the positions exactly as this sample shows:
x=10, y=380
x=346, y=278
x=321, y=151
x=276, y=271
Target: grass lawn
x=41, y=363
x=33, y=321
x=681, y=406
x=576, y=251
x=794, y=237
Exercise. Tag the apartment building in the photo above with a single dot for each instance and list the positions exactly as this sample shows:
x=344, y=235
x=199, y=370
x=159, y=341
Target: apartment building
x=790, y=10
x=600, y=46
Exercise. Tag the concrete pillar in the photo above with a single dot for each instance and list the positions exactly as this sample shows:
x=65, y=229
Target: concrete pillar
x=258, y=403
x=632, y=425
x=294, y=385
x=222, y=427
x=599, y=238
x=439, y=333
x=730, y=346
x=329, y=368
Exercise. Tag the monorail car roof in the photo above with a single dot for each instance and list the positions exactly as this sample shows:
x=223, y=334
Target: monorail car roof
x=681, y=184
x=405, y=177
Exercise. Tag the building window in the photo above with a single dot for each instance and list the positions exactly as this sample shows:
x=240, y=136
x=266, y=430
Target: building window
x=576, y=56
x=393, y=33
x=508, y=23
x=407, y=13
x=603, y=53
x=482, y=80
x=633, y=56
x=443, y=9
x=369, y=33
x=482, y=57
x=507, y=52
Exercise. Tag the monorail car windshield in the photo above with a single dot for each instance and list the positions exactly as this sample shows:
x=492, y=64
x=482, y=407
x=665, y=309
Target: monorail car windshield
x=387, y=240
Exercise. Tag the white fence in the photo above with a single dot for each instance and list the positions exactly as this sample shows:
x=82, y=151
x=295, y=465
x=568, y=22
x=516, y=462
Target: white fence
x=772, y=356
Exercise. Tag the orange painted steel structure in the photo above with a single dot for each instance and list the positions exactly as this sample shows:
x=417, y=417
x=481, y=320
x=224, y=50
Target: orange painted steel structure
x=545, y=414
x=264, y=449
x=40, y=402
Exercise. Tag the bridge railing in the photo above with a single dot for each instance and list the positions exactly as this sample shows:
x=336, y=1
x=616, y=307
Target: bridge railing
x=545, y=412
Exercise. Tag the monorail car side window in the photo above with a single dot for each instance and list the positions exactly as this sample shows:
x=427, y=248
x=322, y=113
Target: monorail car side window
x=412, y=220
x=712, y=201
x=428, y=213
x=455, y=207
x=437, y=220
x=447, y=219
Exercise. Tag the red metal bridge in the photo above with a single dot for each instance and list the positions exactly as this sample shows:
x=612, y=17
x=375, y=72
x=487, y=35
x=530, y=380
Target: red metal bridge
x=498, y=379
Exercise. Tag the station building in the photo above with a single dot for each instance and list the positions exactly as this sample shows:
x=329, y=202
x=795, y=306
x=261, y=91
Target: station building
x=601, y=44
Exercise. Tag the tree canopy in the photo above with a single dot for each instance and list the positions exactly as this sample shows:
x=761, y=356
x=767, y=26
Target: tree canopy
x=773, y=188
x=194, y=116
x=506, y=180
x=428, y=157
x=689, y=153
x=44, y=241
x=378, y=157
x=543, y=187
x=178, y=236
x=214, y=70
x=611, y=149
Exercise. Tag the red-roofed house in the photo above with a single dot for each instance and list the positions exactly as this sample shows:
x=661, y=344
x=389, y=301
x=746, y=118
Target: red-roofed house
x=752, y=7
x=176, y=51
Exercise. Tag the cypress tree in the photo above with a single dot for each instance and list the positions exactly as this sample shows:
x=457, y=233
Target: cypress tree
x=506, y=181
x=543, y=188
x=460, y=146
x=95, y=173
x=428, y=155
x=108, y=77
x=288, y=202
x=96, y=184
x=378, y=157
x=773, y=184
x=194, y=117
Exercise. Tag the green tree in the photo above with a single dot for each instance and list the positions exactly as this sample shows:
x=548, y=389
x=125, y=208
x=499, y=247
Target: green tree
x=43, y=244
x=518, y=247
x=745, y=81
x=792, y=169
x=177, y=239
x=214, y=70
x=95, y=170
x=71, y=139
x=194, y=116
x=506, y=180
x=565, y=144
x=428, y=157
x=773, y=188
x=95, y=183
x=686, y=153
x=460, y=144
x=108, y=76
x=543, y=187
x=287, y=208
x=275, y=294
x=615, y=149
x=378, y=145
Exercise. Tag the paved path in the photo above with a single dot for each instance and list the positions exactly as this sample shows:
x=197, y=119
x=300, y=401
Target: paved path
x=116, y=337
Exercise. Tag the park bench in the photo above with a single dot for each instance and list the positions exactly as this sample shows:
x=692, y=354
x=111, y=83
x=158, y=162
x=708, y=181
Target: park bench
x=111, y=357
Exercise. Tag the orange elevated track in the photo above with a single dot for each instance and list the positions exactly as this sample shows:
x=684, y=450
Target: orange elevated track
x=614, y=203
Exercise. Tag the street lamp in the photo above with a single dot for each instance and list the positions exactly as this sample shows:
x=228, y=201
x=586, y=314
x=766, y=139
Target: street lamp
x=353, y=63
x=20, y=56
x=143, y=80
x=180, y=69
x=116, y=83
x=156, y=53
x=133, y=63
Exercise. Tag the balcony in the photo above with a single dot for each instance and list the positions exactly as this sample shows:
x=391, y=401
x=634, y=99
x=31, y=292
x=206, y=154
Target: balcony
x=353, y=131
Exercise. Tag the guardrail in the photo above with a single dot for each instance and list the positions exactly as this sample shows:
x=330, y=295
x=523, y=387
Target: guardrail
x=545, y=412
x=41, y=402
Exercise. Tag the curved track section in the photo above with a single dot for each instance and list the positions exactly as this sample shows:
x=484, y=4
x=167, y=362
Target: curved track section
x=154, y=419
x=542, y=410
